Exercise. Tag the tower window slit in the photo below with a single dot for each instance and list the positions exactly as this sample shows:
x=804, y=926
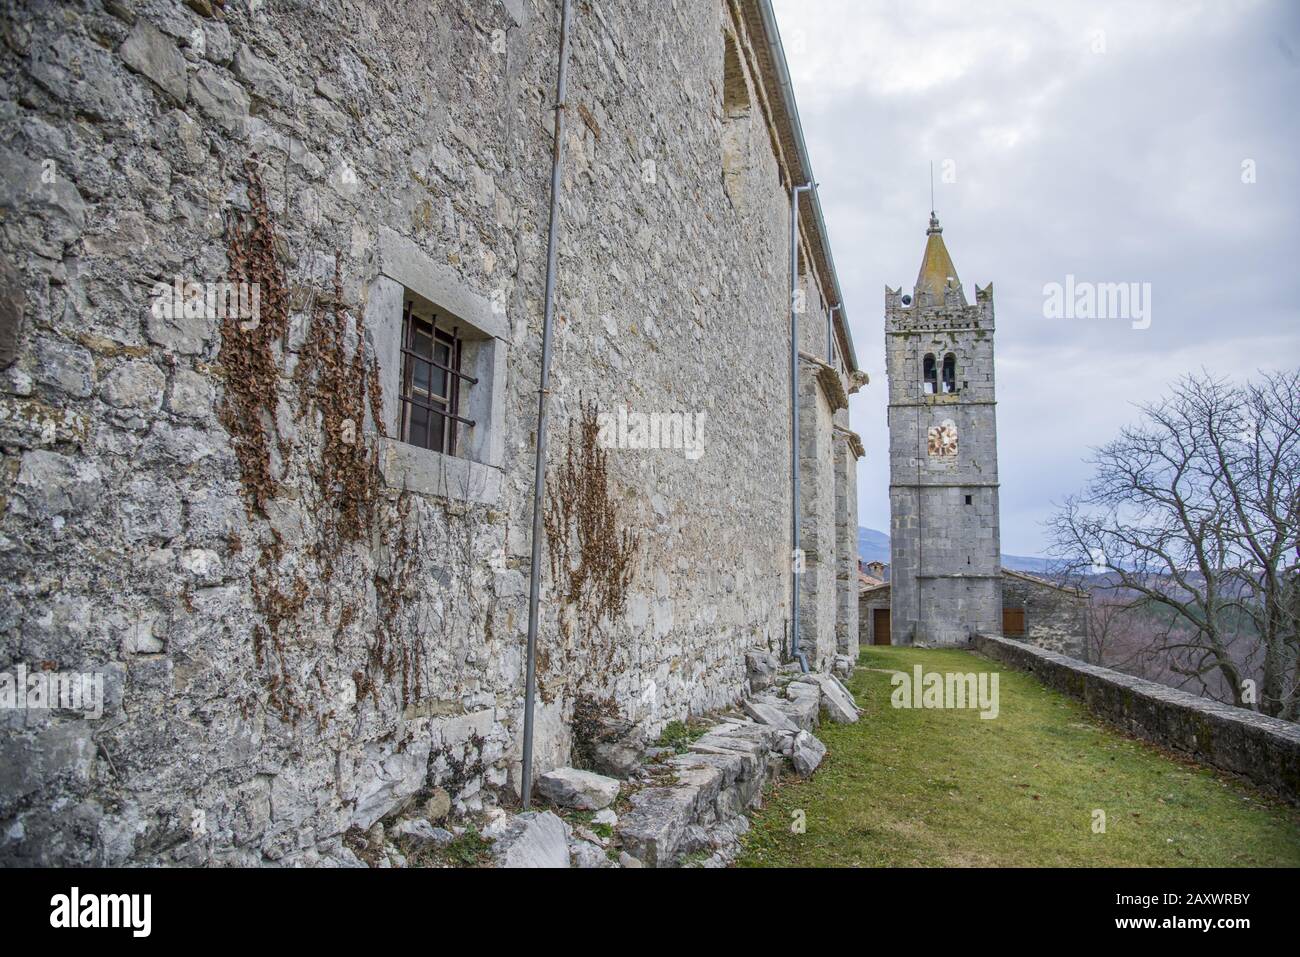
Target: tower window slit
x=950, y=373
x=930, y=381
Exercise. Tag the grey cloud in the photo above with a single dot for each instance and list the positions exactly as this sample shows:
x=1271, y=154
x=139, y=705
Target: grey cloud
x=1123, y=165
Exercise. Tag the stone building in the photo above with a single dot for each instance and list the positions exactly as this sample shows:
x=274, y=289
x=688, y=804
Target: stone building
x=1044, y=613
x=945, y=564
x=1036, y=610
x=271, y=295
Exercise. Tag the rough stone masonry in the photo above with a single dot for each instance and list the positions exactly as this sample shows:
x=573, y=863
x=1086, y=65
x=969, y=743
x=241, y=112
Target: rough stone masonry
x=305, y=620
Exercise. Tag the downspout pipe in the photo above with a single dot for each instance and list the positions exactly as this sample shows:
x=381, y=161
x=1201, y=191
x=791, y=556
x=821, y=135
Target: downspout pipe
x=796, y=562
x=543, y=394
x=830, y=332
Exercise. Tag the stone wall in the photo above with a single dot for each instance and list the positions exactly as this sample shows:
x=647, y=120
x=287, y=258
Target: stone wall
x=1264, y=749
x=301, y=629
x=1055, y=617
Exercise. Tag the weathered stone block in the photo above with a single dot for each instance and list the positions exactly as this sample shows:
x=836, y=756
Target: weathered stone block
x=583, y=790
x=806, y=753
x=533, y=839
x=768, y=711
x=761, y=668
x=385, y=781
x=136, y=385
x=148, y=52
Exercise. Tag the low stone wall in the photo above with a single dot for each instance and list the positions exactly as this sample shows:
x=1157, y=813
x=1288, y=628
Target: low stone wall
x=1264, y=749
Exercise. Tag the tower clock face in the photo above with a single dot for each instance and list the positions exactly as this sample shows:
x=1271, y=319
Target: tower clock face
x=942, y=440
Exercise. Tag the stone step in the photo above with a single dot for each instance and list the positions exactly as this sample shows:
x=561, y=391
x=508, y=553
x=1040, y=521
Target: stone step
x=721, y=776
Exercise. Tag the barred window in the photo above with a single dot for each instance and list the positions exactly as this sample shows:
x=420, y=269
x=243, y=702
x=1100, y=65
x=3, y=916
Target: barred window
x=431, y=383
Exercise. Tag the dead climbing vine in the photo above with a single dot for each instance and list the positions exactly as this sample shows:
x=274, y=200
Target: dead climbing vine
x=331, y=466
x=250, y=347
x=592, y=719
x=339, y=384
x=590, y=556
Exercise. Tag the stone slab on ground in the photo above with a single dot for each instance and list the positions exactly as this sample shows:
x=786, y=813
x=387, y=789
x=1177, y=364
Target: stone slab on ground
x=803, y=707
x=421, y=833
x=807, y=753
x=767, y=710
x=652, y=831
x=721, y=775
x=533, y=839
x=836, y=703
x=586, y=855
x=574, y=788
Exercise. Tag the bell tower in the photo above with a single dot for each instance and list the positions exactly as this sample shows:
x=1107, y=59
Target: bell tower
x=945, y=543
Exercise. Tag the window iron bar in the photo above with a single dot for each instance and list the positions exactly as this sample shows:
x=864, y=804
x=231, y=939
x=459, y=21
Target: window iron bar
x=438, y=365
x=412, y=400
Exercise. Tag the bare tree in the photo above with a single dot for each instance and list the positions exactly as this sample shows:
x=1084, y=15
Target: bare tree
x=1109, y=629
x=1196, y=510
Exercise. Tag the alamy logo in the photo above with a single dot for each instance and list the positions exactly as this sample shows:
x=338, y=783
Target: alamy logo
x=652, y=430
x=103, y=910
x=935, y=690
x=53, y=691
x=208, y=300
x=1098, y=300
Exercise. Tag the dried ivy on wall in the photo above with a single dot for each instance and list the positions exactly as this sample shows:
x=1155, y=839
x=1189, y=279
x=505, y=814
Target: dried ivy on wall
x=250, y=347
x=338, y=384
x=591, y=556
x=333, y=386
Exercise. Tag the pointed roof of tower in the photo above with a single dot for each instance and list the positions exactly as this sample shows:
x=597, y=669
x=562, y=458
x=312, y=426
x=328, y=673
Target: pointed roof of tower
x=936, y=265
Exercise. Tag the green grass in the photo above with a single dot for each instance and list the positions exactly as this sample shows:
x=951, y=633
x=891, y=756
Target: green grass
x=679, y=735
x=946, y=788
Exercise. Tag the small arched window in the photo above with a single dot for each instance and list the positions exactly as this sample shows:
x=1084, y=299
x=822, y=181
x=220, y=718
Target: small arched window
x=950, y=373
x=930, y=375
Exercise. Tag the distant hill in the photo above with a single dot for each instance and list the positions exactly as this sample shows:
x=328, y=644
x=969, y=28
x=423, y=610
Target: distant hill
x=873, y=546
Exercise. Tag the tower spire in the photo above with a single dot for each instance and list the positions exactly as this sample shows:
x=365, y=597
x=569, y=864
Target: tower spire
x=937, y=271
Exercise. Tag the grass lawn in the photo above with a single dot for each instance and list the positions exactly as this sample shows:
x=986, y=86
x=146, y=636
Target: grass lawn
x=917, y=787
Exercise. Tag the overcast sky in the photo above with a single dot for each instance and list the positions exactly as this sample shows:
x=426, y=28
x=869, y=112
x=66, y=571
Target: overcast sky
x=1102, y=140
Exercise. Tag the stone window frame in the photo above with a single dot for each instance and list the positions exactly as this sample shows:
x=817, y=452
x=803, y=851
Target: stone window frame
x=475, y=473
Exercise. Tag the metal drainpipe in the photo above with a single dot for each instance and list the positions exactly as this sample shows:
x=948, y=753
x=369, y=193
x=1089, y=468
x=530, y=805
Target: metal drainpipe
x=830, y=332
x=543, y=394
x=794, y=422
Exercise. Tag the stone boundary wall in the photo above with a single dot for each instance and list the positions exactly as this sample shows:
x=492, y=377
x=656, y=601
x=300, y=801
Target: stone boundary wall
x=1264, y=749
